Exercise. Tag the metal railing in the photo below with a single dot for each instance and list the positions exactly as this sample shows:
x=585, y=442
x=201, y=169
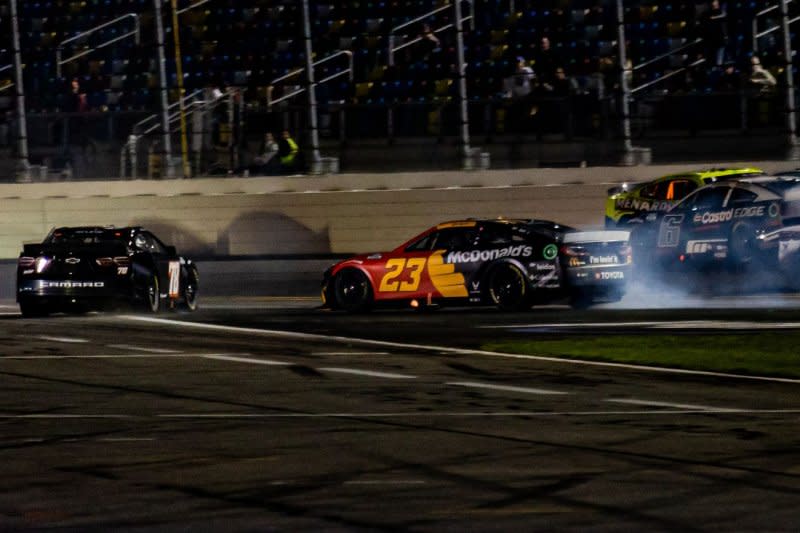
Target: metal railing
x=192, y=103
x=152, y=122
x=192, y=6
x=391, y=49
x=135, y=33
x=10, y=83
x=348, y=71
x=667, y=54
x=668, y=75
x=757, y=34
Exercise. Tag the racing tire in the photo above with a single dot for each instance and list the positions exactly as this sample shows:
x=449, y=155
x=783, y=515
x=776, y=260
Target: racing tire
x=32, y=309
x=352, y=291
x=191, y=290
x=742, y=244
x=152, y=296
x=508, y=288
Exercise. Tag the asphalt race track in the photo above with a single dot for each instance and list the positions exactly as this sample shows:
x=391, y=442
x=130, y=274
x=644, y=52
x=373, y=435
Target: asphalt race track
x=261, y=414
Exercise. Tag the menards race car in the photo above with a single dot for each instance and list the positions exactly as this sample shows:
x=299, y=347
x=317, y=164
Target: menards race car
x=749, y=225
x=511, y=264
x=90, y=267
x=629, y=202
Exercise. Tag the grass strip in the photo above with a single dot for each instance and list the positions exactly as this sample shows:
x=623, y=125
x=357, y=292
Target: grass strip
x=773, y=353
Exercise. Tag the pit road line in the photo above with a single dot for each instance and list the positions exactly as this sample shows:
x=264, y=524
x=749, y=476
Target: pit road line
x=504, y=388
x=249, y=360
x=368, y=373
x=142, y=348
x=644, y=403
x=117, y=356
x=448, y=350
x=68, y=340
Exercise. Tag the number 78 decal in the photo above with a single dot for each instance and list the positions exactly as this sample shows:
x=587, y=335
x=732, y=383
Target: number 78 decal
x=405, y=268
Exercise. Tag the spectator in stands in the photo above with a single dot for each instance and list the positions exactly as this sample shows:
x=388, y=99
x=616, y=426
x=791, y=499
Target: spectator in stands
x=760, y=78
x=520, y=83
x=429, y=43
x=714, y=31
x=267, y=161
x=518, y=89
x=76, y=99
x=288, y=153
x=729, y=80
x=563, y=85
x=555, y=104
x=546, y=61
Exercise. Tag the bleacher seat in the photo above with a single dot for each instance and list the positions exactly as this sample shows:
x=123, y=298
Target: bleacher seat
x=243, y=42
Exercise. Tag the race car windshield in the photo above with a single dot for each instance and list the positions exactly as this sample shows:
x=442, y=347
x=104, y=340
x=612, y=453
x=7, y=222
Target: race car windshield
x=84, y=237
x=549, y=230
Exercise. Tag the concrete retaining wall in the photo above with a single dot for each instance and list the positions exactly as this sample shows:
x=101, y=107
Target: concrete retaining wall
x=312, y=214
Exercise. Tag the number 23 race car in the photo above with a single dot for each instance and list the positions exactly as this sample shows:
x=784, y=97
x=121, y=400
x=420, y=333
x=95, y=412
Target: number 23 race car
x=89, y=267
x=511, y=264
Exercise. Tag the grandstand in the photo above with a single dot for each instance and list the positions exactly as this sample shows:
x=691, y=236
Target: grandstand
x=395, y=87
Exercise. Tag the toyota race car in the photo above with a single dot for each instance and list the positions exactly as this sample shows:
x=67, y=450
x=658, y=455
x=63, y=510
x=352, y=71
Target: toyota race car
x=746, y=225
x=629, y=202
x=89, y=267
x=511, y=264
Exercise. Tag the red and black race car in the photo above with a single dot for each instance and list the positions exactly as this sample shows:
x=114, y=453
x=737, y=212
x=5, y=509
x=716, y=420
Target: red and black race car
x=511, y=264
x=89, y=267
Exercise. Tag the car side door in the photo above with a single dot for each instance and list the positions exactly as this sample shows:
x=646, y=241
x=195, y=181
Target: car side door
x=446, y=255
x=163, y=260
x=696, y=226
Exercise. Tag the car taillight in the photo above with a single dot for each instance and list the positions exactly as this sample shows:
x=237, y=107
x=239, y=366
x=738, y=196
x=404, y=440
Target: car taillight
x=104, y=262
x=26, y=262
x=122, y=260
x=626, y=253
x=577, y=255
x=41, y=263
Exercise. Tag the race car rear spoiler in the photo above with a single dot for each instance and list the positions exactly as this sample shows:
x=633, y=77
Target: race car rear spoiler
x=112, y=249
x=597, y=236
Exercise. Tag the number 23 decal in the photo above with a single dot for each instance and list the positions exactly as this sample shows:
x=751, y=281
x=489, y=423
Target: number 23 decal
x=406, y=268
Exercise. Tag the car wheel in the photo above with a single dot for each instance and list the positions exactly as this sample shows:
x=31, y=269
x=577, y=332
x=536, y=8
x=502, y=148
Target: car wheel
x=152, y=295
x=742, y=244
x=190, y=291
x=508, y=288
x=32, y=309
x=352, y=291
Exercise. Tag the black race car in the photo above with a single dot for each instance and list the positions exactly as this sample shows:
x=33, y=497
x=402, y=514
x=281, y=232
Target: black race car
x=91, y=267
x=511, y=264
x=747, y=226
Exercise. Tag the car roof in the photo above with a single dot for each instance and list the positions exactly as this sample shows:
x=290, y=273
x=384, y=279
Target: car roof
x=98, y=229
x=780, y=187
x=716, y=173
x=472, y=222
x=104, y=231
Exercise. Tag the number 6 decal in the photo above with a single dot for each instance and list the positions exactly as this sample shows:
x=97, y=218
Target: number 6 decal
x=174, y=278
x=670, y=231
x=399, y=267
